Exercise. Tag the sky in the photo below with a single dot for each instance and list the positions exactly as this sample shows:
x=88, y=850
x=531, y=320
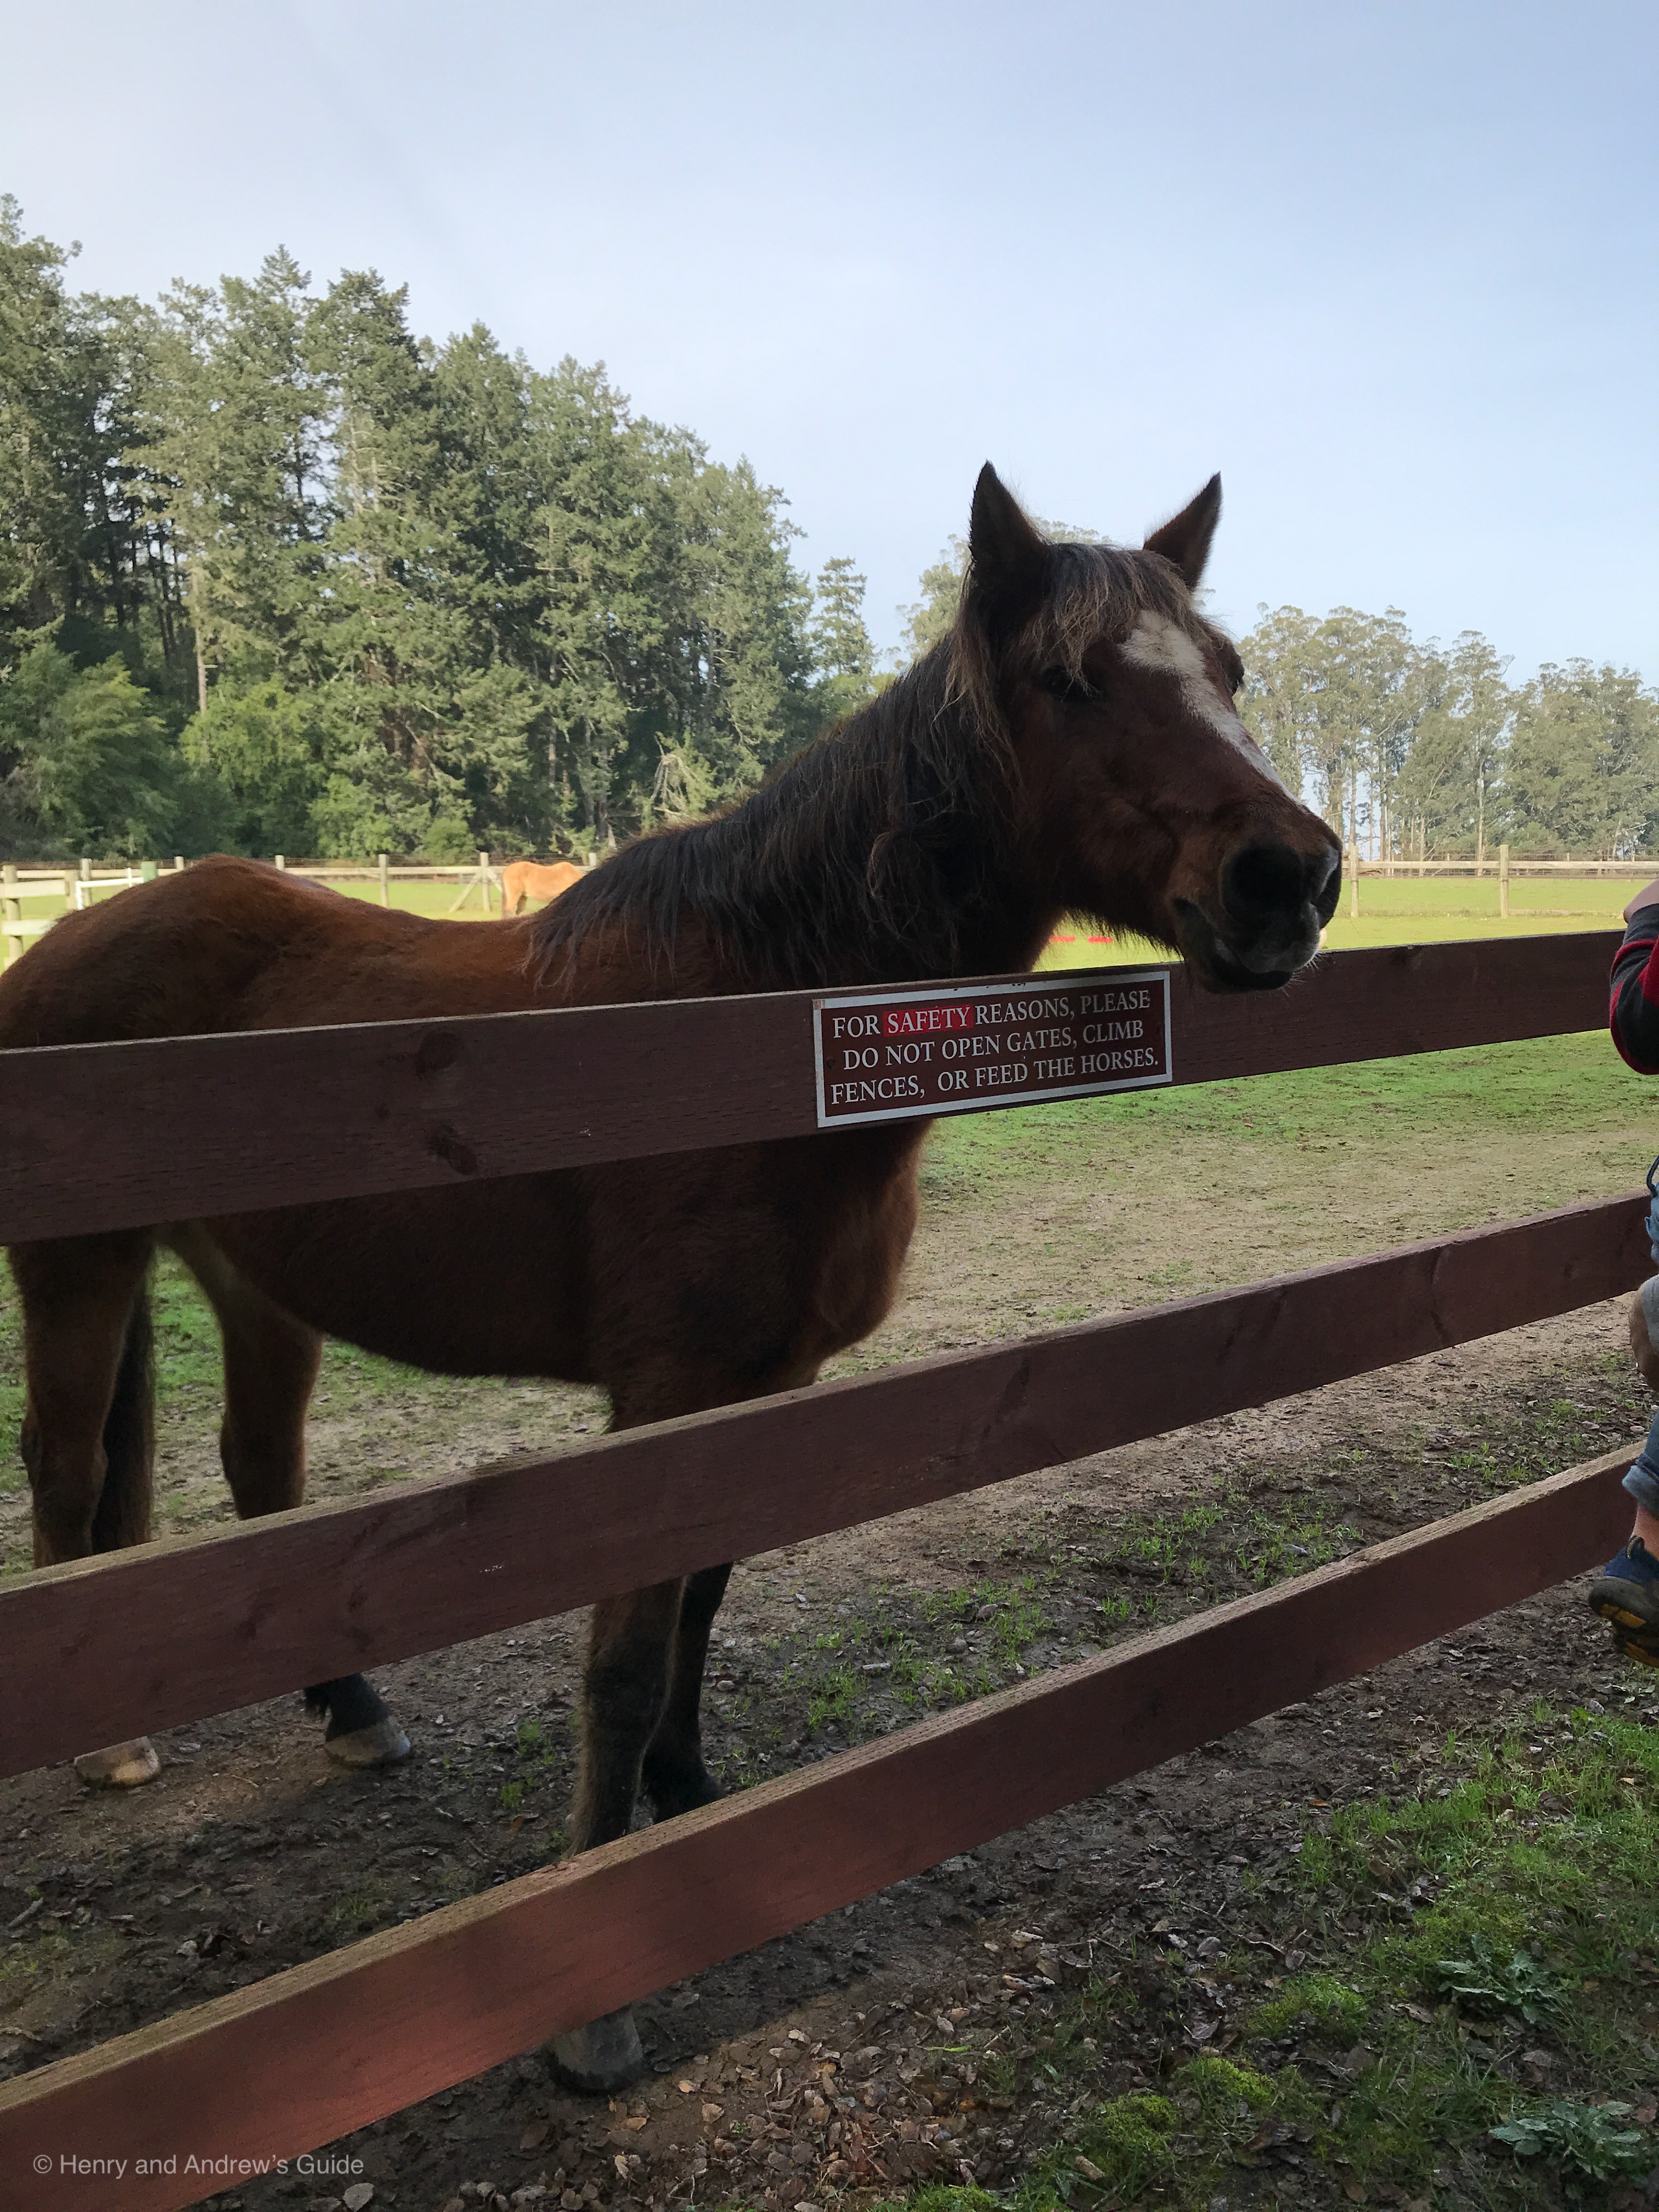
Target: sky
x=1390, y=269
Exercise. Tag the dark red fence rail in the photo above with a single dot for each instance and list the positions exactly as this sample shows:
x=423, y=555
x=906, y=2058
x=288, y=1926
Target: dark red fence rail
x=115, y=1136
x=169, y=1632
x=107, y=1136
x=306, y=2056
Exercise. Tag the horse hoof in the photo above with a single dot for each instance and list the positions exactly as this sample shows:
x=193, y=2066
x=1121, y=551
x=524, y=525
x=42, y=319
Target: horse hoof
x=383, y=1745
x=675, y=1790
x=600, y=2056
x=120, y=1767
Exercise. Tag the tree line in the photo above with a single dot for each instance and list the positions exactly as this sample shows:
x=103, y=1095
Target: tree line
x=278, y=575
x=1410, y=748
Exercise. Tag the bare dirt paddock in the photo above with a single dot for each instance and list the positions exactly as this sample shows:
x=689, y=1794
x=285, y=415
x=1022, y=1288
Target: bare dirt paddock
x=1315, y=1964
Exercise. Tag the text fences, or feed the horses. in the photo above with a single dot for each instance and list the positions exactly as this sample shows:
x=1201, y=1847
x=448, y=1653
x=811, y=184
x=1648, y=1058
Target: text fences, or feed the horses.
x=882, y=1057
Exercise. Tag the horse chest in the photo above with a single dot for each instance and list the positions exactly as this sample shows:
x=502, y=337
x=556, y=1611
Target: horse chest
x=862, y=1232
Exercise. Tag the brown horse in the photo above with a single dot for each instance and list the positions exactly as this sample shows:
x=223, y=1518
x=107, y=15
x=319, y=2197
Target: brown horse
x=529, y=879
x=1071, y=748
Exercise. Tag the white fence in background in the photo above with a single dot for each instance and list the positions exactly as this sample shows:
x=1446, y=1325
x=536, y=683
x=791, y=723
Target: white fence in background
x=80, y=886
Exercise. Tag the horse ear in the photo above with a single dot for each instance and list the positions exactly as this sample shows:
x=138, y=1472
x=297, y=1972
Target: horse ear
x=1008, y=557
x=1185, y=540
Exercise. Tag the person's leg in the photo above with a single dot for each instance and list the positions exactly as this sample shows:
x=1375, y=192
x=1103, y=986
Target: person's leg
x=1643, y=1480
x=1626, y=1591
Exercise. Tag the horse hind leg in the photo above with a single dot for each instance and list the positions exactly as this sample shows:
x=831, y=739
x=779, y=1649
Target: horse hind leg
x=271, y=1370
x=88, y=1424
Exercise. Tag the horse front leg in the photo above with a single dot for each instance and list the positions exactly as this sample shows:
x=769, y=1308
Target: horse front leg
x=625, y=1688
x=676, y=1778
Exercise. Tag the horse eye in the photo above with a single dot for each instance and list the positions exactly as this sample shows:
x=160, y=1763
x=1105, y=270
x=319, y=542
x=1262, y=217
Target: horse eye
x=1060, y=683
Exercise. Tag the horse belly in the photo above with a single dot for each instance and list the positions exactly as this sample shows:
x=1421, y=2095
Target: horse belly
x=485, y=1281
x=747, y=1267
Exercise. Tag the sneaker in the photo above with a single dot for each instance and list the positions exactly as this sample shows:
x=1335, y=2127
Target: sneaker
x=1626, y=1592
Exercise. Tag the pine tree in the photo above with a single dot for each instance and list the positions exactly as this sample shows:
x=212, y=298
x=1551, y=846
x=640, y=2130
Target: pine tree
x=845, y=658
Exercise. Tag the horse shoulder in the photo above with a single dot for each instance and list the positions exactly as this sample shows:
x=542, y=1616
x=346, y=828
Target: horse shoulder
x=868, y=1203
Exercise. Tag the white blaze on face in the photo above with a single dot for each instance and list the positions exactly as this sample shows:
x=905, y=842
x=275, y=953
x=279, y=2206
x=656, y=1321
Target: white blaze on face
x=1157, y=642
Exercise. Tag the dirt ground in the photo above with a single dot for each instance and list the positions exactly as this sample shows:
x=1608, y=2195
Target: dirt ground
x=910, y=2039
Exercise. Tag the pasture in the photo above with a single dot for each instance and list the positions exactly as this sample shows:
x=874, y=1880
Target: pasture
x=1070, y=2012
x=1393, y=910
x=427, y=898
x=1409, y=911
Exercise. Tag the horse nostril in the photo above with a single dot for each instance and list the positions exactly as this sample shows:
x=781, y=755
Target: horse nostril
x=1263, y=882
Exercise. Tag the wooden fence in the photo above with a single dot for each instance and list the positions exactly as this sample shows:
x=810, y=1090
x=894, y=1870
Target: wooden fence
x=79, y=887
x=1408, y=863
x=1500, y=863
x=207, y=1123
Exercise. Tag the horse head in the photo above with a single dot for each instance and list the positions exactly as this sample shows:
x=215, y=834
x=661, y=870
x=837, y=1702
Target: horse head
x=1139, y=796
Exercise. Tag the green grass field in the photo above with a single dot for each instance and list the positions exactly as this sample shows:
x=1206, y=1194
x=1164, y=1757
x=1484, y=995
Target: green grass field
x=1393, y=910
x=410, y=898
x=1403, y=910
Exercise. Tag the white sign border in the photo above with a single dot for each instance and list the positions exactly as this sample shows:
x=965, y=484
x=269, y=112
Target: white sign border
x=1070, y=977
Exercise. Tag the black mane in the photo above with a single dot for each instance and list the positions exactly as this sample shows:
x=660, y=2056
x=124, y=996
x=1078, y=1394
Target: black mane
x=880, y=852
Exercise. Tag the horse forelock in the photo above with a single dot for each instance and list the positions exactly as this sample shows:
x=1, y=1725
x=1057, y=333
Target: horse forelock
x=1095, y=594
x=1101, y=594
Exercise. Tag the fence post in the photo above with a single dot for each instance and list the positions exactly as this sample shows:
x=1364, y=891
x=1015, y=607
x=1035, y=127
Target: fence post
x=385, y=889
x=282, y=859
x=147, y=872
x=13, y=933
x=484, y=882
x=81, y=894
x=1502, y=883
x=178, y=864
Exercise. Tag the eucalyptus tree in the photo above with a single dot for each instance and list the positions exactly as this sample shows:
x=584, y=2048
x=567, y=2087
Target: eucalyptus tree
x=1450, y=784
x=1582, y=772
x=1337, y=701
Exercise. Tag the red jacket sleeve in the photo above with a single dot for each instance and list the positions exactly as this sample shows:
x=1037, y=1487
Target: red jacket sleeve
x=1634, y=1010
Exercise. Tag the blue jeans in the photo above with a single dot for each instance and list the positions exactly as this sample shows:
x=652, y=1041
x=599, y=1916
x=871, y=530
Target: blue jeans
x=1643, y=1480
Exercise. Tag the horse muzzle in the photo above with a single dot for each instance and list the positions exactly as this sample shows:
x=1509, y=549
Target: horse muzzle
x=1274, y=901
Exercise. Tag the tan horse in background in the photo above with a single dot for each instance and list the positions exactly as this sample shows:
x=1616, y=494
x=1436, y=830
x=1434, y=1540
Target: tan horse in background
x=529, y=879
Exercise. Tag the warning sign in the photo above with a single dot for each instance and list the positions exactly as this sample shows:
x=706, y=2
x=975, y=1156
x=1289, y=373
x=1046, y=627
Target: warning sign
x=887, y=1057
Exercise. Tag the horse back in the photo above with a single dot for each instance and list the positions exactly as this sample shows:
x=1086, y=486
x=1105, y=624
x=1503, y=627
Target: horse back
x=233, y=945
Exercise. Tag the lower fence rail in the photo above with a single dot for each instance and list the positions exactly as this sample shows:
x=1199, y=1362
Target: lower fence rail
x=166, y=1633
x=157, y=2119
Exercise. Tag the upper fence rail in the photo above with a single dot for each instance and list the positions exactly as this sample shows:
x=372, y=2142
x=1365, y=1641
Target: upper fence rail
x=1408, y=863
x=178, y=1129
